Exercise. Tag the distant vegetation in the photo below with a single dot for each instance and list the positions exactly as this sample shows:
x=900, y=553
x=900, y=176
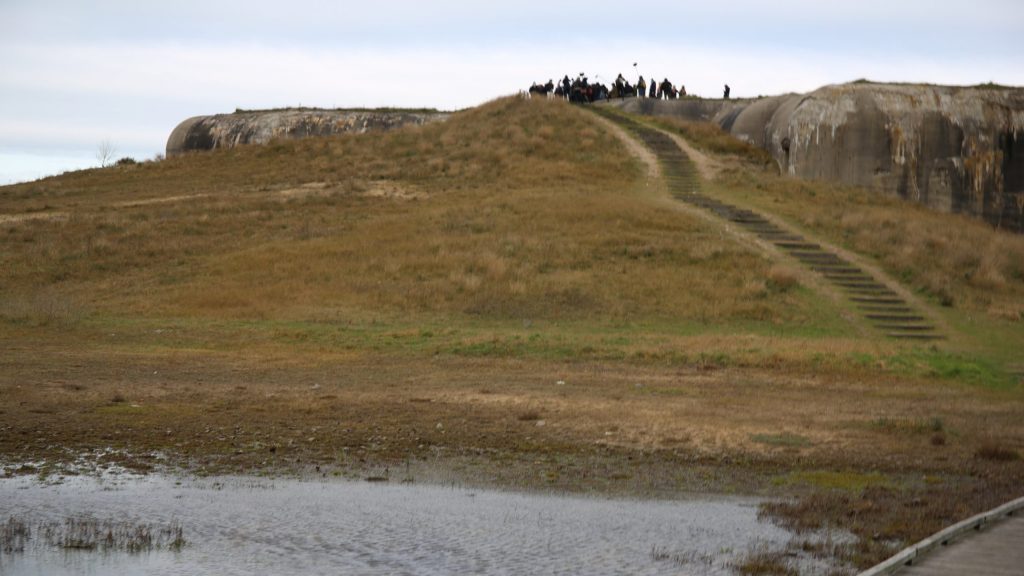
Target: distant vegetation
x=985, y=86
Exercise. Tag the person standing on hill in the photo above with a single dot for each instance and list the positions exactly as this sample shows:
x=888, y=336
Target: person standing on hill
x=641, y=87
x=727, y=90
x=654, y=88
x=665, y=90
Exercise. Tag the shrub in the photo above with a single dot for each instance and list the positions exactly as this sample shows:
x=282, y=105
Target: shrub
x=782, y=278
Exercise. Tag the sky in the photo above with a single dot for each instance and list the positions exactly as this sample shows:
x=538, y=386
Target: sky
x=75, y=73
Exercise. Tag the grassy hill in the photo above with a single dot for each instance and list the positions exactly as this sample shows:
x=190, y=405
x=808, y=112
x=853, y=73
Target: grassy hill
x=514, y=219
x=511, y=297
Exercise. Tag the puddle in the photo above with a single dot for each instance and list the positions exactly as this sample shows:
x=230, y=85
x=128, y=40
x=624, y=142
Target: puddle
x=239, y=525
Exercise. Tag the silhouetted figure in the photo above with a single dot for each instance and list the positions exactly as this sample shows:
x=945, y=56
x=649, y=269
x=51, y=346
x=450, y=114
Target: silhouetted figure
x=641, y=87
x=654, y=88
x=727, y=90
x=665, y=90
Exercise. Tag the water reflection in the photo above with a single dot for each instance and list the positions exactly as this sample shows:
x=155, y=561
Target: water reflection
x=245, y=526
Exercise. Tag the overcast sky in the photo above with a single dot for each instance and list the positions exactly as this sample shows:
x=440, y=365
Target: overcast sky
x=75, y=73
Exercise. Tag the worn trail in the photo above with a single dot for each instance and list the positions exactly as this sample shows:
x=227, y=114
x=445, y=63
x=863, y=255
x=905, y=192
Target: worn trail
x=886, y=310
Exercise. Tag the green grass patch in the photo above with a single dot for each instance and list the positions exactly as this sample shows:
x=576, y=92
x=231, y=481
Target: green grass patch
x=121, y=409
x=908, y=425
x=950, y=366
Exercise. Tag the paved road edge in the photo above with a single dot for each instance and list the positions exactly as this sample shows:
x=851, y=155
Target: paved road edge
x=908, y=556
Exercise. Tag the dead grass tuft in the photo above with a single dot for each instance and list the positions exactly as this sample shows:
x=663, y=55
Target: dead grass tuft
x=782, y=278
x=14, y=534
x=997, y=452
x=766, y=563
x=528, y=416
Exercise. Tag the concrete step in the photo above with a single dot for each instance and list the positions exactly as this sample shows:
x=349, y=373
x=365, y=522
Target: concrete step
x=820, y=259
x=845, y=267
x=877, y=300
x=919, y=337
x=850, y=278
x=886, y=309
x=797, y=245
x=823, y=259
x=895, y=317
x=872, y=289
x=867, y=283
x=906, y=327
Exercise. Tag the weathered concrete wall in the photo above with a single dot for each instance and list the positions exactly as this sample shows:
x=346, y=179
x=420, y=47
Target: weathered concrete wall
x=951, y=148
x=260, y=127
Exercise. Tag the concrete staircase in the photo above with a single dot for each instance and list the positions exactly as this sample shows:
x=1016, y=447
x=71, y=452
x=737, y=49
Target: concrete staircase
x=883, y=308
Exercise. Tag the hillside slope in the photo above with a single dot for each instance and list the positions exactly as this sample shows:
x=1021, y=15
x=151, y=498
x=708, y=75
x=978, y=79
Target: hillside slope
x=522, y=211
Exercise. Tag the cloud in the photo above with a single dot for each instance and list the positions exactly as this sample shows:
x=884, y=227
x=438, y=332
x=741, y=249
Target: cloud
x=73, y=73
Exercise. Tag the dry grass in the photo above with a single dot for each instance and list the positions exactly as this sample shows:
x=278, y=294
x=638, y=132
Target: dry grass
x=514, y=210
x=783, y=278
x=766, y=563
x=14, y=534
x=90, y=534
x=886, y=518
x=997, y=452
x=710, y=138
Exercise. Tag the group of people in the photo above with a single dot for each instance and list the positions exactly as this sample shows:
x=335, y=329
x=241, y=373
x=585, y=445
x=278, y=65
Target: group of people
x=581, y=90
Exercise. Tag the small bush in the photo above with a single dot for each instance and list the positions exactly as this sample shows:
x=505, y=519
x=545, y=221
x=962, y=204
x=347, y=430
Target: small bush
x=997, y=453
x=766, y=563
x=782, y=278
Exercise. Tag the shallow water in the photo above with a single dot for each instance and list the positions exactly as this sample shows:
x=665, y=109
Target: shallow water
x=248, y=525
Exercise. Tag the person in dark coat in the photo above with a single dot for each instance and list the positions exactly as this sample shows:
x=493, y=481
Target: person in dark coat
x=727, y=90
x=654, y=88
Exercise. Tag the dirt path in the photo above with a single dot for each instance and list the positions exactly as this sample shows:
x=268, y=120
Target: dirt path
x=707, y=167
x=635, y=148
x=164, y=200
